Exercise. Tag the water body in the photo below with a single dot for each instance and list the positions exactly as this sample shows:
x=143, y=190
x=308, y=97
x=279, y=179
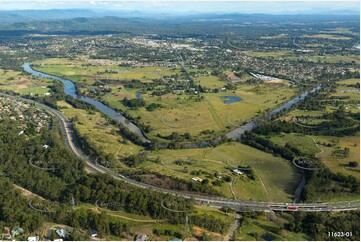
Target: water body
x=230, y=99
x=138, y=95
x=235, y=134
x=300, y=188
x=70, y=89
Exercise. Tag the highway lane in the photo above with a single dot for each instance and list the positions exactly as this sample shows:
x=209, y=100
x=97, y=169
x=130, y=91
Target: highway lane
x=218, y=202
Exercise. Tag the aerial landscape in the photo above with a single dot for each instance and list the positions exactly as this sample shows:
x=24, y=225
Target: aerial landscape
x=171, y=121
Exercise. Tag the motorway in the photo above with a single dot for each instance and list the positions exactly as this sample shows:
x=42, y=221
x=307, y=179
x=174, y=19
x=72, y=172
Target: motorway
x=218, y=202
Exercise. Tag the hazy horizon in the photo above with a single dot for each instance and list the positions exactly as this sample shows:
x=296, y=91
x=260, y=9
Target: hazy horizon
x=182, y=7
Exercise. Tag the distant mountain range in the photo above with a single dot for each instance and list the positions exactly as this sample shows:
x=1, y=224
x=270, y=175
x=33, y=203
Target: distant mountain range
x=14, y=16
x=75, y=21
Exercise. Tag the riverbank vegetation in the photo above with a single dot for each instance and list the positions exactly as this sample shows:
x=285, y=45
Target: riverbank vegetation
x=185, y=83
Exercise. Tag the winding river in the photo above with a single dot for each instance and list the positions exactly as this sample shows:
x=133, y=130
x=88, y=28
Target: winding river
x=236, y=133
x=69, y=89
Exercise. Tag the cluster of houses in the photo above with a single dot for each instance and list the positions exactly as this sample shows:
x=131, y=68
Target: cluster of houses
x=11, y=234
x=133, y=63
x=24, y=113
x=62, y=234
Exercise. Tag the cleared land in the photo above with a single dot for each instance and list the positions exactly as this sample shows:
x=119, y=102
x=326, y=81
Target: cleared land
x=84, y=71
x=102, y=135
x=180, y=112
x=328, y=36
x=14, y=81
x=332, y=157
x=221, y=160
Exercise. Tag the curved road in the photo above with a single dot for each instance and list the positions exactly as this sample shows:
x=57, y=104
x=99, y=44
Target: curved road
x=238, y=205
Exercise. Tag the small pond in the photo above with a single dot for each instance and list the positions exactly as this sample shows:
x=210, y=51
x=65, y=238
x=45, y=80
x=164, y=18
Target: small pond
x=230, y=99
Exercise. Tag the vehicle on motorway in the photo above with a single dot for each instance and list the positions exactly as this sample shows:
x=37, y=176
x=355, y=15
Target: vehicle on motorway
x=292, y=208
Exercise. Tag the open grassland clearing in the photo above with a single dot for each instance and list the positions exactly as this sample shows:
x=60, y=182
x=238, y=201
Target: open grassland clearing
x=182, y=113
x=298, y=112
x=328, y=36
x=349, y=81
x=341, y=30
x=179, y=113
x=59, y=61
x=303, y=142
x=227, y=216
x=344, y=88
x=119, y=92
x=204, y=163
x=352, y=92
x=14, y=81
x=210, y=81
x=76, y=72
x=333, y=157
x=269, y=53
x=102, y=135
x=340, y=58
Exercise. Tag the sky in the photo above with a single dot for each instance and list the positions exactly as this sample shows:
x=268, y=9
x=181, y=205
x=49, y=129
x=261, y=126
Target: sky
x=189, y=6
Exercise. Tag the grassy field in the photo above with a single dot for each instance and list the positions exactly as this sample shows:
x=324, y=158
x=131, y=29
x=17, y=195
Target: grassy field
x=269, y=53
x=14, y=81
x=340, y=30
x=101, y=134
x=210, y=82
x=349, y=81
x=181, y=114
x=220, y=160
x=326, y=153
x=303, y=142
x=338, y=164
x=329, y=146
x=298, y=112
x=83, y=70
x=328, y=36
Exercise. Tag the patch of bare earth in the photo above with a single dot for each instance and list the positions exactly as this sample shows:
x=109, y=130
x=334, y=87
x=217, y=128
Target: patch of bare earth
x=27, y=193
x=22, y=81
